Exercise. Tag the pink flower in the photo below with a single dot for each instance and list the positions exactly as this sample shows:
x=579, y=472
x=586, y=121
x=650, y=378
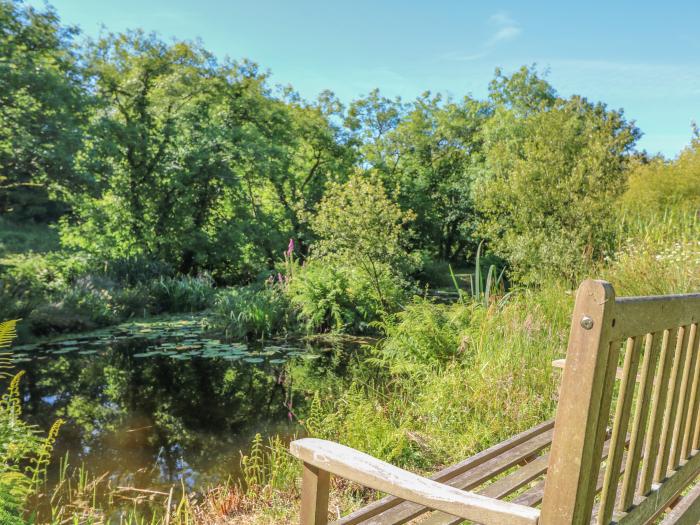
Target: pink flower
x=290, y=248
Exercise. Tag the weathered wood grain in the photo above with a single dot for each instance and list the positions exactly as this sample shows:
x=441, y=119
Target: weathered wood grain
x=583, y=411
x=687, y=512
x=389, y=502
x=379, y=475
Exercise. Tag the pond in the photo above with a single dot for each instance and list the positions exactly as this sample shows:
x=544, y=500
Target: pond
x=161, y=402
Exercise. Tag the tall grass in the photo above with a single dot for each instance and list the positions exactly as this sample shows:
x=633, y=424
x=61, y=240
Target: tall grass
x=657, y=254
x=251, y=312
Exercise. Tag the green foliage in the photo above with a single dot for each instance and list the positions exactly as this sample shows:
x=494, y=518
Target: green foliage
x=337, y=296
x=425, y=153
x=358, y=225
x=252, y=312
x=424, y=334
x=658, y=254
x=63, y=292
x=485, y=287
x=20, y=444
x=182, y=294
x=42, y=107
x=26, y=237
x=449, y=380
x=81, y=307
x=550, y=183
x=657, y=185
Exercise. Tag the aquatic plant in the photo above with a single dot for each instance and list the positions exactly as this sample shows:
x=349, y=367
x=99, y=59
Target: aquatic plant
x=252, y=312
x=183, y=293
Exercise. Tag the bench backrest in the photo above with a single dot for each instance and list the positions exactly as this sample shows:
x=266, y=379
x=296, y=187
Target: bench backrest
x=654, y=428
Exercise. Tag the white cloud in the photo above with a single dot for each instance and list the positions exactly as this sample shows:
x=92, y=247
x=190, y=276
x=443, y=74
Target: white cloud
x=503, y=29
x=502, y=35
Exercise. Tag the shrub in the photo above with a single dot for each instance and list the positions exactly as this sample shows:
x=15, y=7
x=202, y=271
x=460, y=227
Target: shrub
x=479, y=376
x=660, y=185
x=133, y=301
x=251, y=312
x=342, y=298
x=30, y=280
x=425, y=333
x=436, y=274
x=130, y=271
x=550, y=185
x=358, y=226
x=80, y=307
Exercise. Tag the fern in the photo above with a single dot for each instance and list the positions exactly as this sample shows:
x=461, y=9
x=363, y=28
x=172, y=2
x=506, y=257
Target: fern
x=11, y=402
x=38, y=465
x=19, y=443
x=314, y=421
x=7, y=335
x=253, y=465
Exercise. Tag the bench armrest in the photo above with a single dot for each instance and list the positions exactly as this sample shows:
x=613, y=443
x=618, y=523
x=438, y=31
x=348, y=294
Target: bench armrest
x=379, y=475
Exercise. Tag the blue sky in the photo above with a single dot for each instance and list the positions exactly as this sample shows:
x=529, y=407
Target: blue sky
x=641, y=56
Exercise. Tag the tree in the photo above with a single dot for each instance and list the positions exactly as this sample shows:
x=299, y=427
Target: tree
x=161, y=160
x=657, y=186
x=550, y=183
x=357, y=224
x=440, y=151
x=425, y=153
x=289, y=150
x=42, y=103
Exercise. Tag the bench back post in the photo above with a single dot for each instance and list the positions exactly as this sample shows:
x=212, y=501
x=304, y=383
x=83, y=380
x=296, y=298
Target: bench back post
x=584, y=409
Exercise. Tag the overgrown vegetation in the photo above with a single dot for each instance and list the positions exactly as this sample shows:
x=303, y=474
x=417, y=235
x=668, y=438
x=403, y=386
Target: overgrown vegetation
x=141, y=177
x=24, y=454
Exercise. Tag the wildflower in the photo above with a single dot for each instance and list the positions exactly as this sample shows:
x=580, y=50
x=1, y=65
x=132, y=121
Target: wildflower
x=290, y=248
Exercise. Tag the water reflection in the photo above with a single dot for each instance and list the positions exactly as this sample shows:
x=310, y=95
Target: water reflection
x=156, y=403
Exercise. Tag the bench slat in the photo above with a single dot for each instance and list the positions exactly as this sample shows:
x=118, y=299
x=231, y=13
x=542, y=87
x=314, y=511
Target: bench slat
x=687, y=512
x=669, y=421
x=498, y=489
x=677, y=446
x=639, y=425
x=406, y=510
x=533, y=496
x=619, y=433
x=642, y=315
x=692, y=417
x=658, y=403
x=389, y=502
x=662, y=495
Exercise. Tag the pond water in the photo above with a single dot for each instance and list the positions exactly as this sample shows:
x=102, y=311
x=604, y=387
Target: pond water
x=161, y=402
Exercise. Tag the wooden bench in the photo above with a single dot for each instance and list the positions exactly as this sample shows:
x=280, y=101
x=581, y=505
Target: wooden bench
x=593, y=464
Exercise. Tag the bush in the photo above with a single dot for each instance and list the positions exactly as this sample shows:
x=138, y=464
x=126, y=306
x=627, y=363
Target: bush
x=251, y=312
x=436, y=274
x=477, y=376
x=182, y=294
x=425, y=333
x=659, y=254
x=660, y=185
x=341, y=298
x=550, y=186
x=80, y=308
x=133, y=301
x=30, y=281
